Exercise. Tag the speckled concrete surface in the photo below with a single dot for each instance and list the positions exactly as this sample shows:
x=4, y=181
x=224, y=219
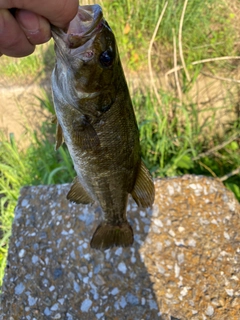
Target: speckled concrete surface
x=184, y=264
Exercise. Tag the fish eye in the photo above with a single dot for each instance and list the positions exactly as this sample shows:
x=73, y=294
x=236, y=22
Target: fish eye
x=106, y=58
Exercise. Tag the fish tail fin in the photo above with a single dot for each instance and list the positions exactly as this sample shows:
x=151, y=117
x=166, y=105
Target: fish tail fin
x=107, y=235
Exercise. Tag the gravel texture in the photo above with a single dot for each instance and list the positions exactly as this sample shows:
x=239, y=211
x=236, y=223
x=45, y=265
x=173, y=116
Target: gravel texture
x=184, y=264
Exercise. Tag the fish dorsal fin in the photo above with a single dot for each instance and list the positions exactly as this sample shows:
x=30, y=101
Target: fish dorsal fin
x=78, y=194
x=143, y=192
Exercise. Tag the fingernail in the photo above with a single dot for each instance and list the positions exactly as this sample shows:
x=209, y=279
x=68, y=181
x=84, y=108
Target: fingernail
x=28, y=20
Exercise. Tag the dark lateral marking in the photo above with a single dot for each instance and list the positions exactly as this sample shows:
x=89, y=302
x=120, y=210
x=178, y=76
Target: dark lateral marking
x=106, y=108
x=84, y=134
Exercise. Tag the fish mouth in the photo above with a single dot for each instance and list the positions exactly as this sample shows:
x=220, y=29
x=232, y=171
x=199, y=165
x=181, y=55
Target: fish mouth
x=87, y=22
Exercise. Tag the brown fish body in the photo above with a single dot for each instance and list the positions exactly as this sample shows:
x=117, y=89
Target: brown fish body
x=95, y=116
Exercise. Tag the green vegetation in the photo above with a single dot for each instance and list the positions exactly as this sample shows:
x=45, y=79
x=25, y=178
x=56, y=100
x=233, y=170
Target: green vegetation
x=207, y=26
x=189, y=122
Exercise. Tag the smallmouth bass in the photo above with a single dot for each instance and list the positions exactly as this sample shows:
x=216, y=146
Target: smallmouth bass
x=96, y=120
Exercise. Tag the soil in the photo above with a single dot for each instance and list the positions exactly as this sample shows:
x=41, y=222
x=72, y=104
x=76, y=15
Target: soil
x=20, y=110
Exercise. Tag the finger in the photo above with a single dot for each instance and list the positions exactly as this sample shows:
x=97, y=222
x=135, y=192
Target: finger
x=58, y=12
x=35, y=27
x=13, y=41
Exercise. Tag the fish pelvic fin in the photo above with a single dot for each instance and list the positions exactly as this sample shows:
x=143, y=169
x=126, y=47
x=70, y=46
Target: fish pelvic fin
x=78, y=194
x=143, y=191
x=107, y=236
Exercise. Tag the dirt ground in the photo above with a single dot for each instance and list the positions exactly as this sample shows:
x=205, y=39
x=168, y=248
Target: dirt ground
x=20, y=110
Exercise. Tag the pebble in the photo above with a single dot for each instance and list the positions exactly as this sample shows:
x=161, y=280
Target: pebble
x=229, y=292
x=122, y=302
x=19, y=288
x=114, y=291
x=132, y=299
x=177, y=270
x=172, y=233
x=181, y=229
x=34, y=259
x=21, y=253
x=76, y=286
x=54, y=307
x=210, y=311
x=180, y=258
x=118, y=252
x=192, y=243
x=47, y=311
x=153, y=305
x=226, y=235
x=158, y=223
x=170, y=190
x=31, y=300
x=122, y=267
x=86, y=304
x=24, y=203
x=184, y=291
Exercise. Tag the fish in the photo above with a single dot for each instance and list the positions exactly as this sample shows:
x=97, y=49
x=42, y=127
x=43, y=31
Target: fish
x=96, y=120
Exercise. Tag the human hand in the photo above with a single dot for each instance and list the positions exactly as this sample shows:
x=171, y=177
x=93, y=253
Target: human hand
x=30, y=24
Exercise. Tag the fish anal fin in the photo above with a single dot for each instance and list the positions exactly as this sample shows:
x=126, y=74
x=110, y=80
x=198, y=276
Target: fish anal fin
x=78, y=194
x=143, y=191
x=108, y=236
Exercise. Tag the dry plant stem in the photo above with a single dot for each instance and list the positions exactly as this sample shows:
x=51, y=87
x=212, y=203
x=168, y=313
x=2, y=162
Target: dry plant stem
x=220, y=78
x=230, y=174
x=203, y=61
x=216, y=148
x=149, y=57
x=175, y=67
x=208, y=169
x=180, y=41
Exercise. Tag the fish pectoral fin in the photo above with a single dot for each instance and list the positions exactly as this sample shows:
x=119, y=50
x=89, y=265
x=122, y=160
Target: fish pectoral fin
x=59, y=133
x=143, y=192
x=78, y=194
x=59, y=136
x=84, y=134
x=107, y=236
x=54, y=119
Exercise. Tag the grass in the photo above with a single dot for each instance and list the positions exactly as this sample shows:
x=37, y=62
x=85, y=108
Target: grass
x=173, y=146
x=136, y=22
x=177, y=119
